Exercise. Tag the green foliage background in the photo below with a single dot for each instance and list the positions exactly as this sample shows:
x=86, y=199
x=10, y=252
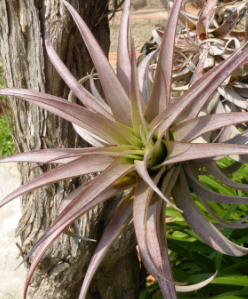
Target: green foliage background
x=6, y=143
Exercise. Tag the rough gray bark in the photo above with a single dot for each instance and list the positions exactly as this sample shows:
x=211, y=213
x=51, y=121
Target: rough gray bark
x=26, y=65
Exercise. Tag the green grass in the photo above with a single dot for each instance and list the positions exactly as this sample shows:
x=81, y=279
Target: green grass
x=6, y=142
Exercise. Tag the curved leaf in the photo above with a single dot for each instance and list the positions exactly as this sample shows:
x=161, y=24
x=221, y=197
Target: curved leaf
x=123, y=65
x=199, y=224
x=83, y=95
x=161, y=89
x=191, y=129
x=75, y=168
x=121, y=219
x=115, y=94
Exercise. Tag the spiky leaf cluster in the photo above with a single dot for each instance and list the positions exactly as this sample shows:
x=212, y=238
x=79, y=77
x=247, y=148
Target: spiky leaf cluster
x=144, y=143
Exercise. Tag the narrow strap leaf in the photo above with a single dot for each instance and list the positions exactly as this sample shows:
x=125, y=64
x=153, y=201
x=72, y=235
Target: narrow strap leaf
x=75, y=168
x=121, y=219
x=138, y=120
x=83, y=95
x=189, y=130
x=123, y=65
x=160, y=96
x=96, y=192
x=158, y=248
x=143, y=70
x=90, y=121
x=215, y=171
x=199, y=223
x=115, y=94
x=143, y=194
x=179, y=151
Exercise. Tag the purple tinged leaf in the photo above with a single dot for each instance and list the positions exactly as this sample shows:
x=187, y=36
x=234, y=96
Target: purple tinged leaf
x=136, y=108
x=76, y=236
x=141, y=168
x=207, y=194
x=143, y=194
x=143, y=70
x=75, y=168
x=42, y=156
x=191, y=102
x=223, y=223
x=156, y=238
x=214, y=170
x=121, y=219
x=191, y=129
x=205, y=17
x=179, y=151
x=115, y=94
x=123, y=65
x=92, y=122
x=83, y=95
x=160, y=95
x=103, y=187
x=199, y=224
x=188, y=20
x=228, y=26
x=199, y=68
x=66, y=201
x=233, y=97
x=89, y=137
x=94, y=89
x=196, y=286
x=231, y=169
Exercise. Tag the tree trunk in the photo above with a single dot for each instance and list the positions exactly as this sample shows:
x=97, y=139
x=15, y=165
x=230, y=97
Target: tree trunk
x=26, y=65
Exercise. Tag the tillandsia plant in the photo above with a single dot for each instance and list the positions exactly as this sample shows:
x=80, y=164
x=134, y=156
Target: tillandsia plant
x=204, y=41
x=145, y=145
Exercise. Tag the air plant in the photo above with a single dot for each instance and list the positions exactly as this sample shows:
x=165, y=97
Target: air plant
x=145, y=144
x=203, y=42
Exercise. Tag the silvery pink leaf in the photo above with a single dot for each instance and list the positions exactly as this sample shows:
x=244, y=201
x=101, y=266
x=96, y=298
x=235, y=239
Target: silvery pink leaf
x=141, y=168
x=205, y=18
x=233, y=97
x=158, y=248
x=89, y=137
x=94, y=89
x=223, y=223
x=116, y=96
x=94, y=123
x=123, y=65
x=42, y=156
x=96, y=192
x=180, y=151
x=199, y=68
x=188, y=19
x=143, y=69
x=76, y=236
x=199, y=223
x=207, y=194
x=191, y=129
x=75, y=168
x=191, y=102
x=227, y=26
x=160, y=95
x=84, y=96
x=121, y=219
x=214, y=170
x=196, y=286
x=231, y=169
x=142, y=198
x=138, y=120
